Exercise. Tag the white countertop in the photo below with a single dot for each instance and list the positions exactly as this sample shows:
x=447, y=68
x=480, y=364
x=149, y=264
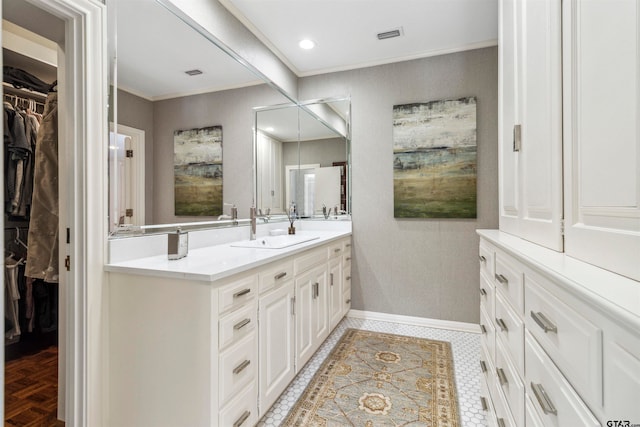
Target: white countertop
x=600, y=288
x=216, y=262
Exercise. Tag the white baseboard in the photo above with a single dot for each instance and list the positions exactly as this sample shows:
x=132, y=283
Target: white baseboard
x=415, y=321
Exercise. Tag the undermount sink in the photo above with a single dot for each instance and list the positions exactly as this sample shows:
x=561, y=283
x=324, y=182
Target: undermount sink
x=274, y=242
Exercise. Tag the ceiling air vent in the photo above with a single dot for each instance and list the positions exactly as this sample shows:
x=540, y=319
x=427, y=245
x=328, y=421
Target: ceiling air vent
x=390, y=34
x=193, y=72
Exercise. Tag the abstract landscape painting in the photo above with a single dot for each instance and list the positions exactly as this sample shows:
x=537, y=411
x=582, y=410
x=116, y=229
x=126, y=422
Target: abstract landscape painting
x=197, y=166
x=434, y=159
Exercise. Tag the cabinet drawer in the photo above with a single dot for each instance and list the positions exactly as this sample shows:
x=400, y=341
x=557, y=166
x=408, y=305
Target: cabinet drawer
x=622, y=374
x=503, y=414
x=510, y=328
x=236, y=325
x=532, y=419
x=570, y=339
x=509, y=381
x=488, y=337
x=335, y=249
x=346, y=301
x=237, y=293
x=508, y=279
x=555, y=400
x=487, y=367
x=238, y=366
x=486, y=259
x=308, y=260
x=487, y=292
x=274, y=275
x=346, y=278
x=242, y=411
x=486, y=404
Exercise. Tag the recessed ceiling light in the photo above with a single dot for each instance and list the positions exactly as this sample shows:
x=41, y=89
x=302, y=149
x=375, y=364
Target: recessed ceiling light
x=269, y=129
x=194, y=72
x=307, y=44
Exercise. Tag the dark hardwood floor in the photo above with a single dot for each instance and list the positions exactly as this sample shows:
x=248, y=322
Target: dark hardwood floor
x=31, y=390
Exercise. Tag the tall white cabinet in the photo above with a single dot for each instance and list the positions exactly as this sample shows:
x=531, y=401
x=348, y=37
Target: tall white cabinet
x=530, y=117
x=569, y=128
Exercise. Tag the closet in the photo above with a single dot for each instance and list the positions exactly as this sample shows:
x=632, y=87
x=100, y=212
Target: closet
x=31, y=216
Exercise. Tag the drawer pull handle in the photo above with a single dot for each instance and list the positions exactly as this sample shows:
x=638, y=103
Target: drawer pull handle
x=280, y=275
x=544, y=322
x=483, y=366
x=348, y=301
x=241, y=324
x=483, y=402
x=503, y=326
x=241, y=293
x=337, y=250
x=242, y=419
x=483, y=329
x=501, y=422
x=316, y=290
x=482, y=259
x=348, y=277
x=241, y=367
x=348, y=258
x=503, y=280
x=331, y=279
x=348, y=245
x=501, y=376
x=293, y=306
x=543, y=399
x=483, y=292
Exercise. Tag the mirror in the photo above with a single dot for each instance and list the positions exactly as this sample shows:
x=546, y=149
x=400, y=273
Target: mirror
x=302, y=155
x=174, y=87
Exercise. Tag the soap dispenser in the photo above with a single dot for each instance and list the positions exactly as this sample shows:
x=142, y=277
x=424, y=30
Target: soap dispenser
x=178, y=244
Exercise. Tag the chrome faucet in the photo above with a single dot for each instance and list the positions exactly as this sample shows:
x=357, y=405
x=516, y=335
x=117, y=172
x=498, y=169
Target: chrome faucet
x=252, y=217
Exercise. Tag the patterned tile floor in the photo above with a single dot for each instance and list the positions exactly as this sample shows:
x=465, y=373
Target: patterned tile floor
x=466, y=354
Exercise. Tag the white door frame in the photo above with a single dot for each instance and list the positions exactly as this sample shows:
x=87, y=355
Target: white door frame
x=83, y=132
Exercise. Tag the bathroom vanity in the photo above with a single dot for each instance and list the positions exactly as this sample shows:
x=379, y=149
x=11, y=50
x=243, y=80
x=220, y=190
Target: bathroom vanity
x=214, y=338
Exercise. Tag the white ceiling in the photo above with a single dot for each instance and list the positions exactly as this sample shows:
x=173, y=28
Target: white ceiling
x=345, y=30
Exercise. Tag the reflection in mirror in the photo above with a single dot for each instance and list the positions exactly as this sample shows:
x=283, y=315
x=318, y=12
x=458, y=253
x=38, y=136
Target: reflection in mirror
x=302, y=158
x=171, y=78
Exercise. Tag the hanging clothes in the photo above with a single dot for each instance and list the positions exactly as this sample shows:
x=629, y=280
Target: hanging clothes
x=12, y=297
x=42, y=255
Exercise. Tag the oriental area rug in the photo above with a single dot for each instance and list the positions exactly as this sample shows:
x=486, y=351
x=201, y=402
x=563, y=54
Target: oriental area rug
x=373, y=379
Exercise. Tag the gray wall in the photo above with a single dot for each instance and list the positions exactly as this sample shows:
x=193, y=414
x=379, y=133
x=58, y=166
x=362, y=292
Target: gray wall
x=426, y=268
x=323, y=151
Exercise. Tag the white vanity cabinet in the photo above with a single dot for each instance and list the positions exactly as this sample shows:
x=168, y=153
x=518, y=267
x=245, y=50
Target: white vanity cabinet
x=215, y=352
x=567, y=340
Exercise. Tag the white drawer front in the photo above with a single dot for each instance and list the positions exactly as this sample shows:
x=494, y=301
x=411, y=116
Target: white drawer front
x=488, y=337
x=508, y=279
x=572, y=341
x=622, y=377
x=508, y=379
x=237, y=293
x=487, y=404
x=236, y=325
x=242, y=411
x=308, y=260
x=503, y=414
x=486, y=259
x=553, y=397
x=238, y=367
x=275, y=275
x=335, y=249
x=487, y=292
x=346, y=278
x=487, y=367
x=510, y=328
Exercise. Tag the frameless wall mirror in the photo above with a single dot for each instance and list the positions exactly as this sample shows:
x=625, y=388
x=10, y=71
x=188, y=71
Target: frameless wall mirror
x=303, y=158
x=172, y=86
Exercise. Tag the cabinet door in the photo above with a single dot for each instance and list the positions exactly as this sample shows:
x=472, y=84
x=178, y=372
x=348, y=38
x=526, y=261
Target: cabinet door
x=530, y=131
x=304, y=316
x=507, y=116
x=540, y=111
x=601, y=71
x=276, y=344
x=320, y=306
x=335, y=291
